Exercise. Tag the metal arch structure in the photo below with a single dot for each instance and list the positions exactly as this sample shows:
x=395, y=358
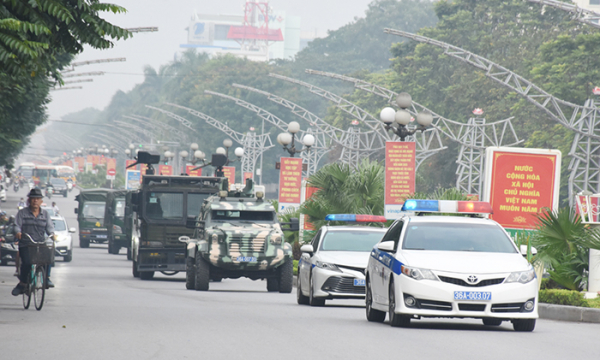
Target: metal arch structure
x=131, y=135
x=159, y=126
x=183, y=121
x=353, y=142
x=473, y=136
x=321, y=146
x=582, y=15
x=583, y=120
x=125, y=125
x=254, y=145
x=423, y=141
x=110, y=140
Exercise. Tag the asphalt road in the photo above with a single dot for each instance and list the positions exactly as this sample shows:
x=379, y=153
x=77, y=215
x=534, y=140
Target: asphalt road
x=99, y=311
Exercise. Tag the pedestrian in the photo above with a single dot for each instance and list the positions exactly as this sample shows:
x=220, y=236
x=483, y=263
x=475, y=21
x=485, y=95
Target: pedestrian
x=35, y=222
x=55, y=208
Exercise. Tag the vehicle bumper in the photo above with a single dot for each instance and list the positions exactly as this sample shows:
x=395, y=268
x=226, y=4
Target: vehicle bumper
x=161, y=259
x=331, y=284
x=61, y=250
x=436, y=299
x=97, y=238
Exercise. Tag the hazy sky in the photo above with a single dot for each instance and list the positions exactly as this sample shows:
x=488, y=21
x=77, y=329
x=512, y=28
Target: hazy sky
x=154, y=49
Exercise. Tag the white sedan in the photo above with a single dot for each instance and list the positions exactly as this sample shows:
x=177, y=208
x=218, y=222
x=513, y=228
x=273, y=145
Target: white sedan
x=64, y=241
x=333, y=265
x=450, y=266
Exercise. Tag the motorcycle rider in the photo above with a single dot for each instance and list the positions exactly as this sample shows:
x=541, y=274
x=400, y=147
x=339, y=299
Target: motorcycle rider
x=21, y=204
x=55, y=208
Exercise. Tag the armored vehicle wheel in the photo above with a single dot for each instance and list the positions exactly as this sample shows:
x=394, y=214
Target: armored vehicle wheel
x=190, y=274
x=135, y=271
x=312, y=300
x=128, y=253
x=202, y=273
x=146, y=275
x=113, y=249
x=300, y=297
x=84, y=243
x=110, y=248
x=272, y=284
x=286, y=276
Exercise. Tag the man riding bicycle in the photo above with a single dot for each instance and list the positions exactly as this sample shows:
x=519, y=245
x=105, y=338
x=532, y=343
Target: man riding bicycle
x=35, y=222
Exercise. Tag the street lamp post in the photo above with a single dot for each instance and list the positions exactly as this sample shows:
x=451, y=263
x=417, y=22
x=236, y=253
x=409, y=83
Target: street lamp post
x=402, y=117
x=289, y=139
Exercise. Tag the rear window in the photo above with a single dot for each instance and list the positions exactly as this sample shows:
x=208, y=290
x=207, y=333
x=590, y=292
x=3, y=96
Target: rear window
x=457, y=237
x=93, y=210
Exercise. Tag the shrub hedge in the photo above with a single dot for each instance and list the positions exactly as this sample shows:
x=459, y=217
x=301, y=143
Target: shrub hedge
x=562, y=297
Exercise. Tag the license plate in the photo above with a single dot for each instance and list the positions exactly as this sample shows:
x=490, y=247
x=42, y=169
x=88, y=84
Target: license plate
x=246, y=259
x=472, y=295
x=359, y=282
x=101, y=236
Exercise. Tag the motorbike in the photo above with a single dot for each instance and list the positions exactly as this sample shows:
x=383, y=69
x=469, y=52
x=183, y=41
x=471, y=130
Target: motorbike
x=8, y=248
x=31, y=185
x=16, y=186
x=69, y=186
x=49, y=192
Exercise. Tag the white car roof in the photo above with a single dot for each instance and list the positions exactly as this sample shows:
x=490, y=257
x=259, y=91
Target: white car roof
x=354, y=228
x=452, y=219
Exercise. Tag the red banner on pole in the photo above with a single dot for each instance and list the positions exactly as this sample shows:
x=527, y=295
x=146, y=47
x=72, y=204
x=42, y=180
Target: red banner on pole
x=247, y=175
x=188, y=170
x=290, y=182
x=229, y=172
x=166, y=170
x=80, y=163
x=522, y=183
x=130, y=162
x=400, y=159
x=111, y=166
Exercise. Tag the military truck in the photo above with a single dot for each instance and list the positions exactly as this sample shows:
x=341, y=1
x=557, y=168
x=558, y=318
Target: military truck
x=237, y=234
x=118, y=236
x=90, y=215
x=161, y=208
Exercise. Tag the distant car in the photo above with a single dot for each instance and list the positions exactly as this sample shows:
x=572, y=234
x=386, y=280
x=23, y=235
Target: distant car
x=2, y=193
x=333, y=265
x=64, y=243
x=59, y=186
x=450, y=266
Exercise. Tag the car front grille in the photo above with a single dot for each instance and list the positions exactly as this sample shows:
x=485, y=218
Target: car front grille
x=461, y=282
x=433, y=305
x=471, y=307
x=343, y=285
x=256, y=245
x=507, y=308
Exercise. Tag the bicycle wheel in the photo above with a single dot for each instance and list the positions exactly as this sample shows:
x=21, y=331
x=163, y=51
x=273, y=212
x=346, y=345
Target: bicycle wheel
x=27, y=295
x=39, y=287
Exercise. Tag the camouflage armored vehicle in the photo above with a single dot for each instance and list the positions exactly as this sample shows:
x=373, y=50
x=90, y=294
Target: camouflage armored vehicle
x=160, y=210
x=90, y=215
x=115, y=221
x=237, y=234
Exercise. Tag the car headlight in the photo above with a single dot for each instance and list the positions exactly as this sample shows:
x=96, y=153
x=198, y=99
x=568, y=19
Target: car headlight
x=117, y=229
x=275, y=239
x=522, y=276
x=418, y=274
x=328, y=266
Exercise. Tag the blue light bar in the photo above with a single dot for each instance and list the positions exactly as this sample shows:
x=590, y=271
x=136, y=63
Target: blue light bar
x=421, y=205
x=341, y=217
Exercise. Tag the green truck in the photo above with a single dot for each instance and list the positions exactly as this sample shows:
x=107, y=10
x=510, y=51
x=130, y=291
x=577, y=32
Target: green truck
x=160, y=210
x=237, y=234
x=91, y=215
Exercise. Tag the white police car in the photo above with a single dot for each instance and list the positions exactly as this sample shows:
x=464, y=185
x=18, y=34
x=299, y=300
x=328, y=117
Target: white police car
x=450, y=266
x=333, y=265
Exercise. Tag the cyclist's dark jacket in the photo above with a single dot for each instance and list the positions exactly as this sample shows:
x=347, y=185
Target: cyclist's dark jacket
x=37, y=227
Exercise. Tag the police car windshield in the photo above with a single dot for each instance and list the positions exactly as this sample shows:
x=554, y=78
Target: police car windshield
x=457, y=237
x=239, y=215
x=349, y=240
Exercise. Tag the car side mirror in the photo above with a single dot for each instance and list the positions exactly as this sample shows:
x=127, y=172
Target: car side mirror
x=76, y=211
x=524, y=250
x=387, y=246
x=307, y=248
x=72, y=230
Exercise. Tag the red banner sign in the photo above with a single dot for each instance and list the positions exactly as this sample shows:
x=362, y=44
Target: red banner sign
x=166, y=170
x=247, y=175
x=229, y=172
x=290, y=182
x=80, y=163
x=399, y=175
x=111, y=166
x=188, y=170
x=522, y=184
x=130, y=162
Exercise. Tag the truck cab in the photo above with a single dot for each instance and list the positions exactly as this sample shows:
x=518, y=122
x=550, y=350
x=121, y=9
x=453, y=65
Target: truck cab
x=115, y=221
x=91, y=216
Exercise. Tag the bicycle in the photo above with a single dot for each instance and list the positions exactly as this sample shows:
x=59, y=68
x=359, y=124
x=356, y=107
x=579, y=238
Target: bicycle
x=40, y=255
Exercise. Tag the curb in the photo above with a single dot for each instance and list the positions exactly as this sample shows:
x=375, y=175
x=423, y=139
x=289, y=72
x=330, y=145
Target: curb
x=568, y=313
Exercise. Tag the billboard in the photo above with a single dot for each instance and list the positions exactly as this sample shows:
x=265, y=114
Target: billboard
x=290, y=181
x=400, y=157
x=133, y=178
x=190, y=172
x=229, y=172
x=519, y=183
x=165, y=170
